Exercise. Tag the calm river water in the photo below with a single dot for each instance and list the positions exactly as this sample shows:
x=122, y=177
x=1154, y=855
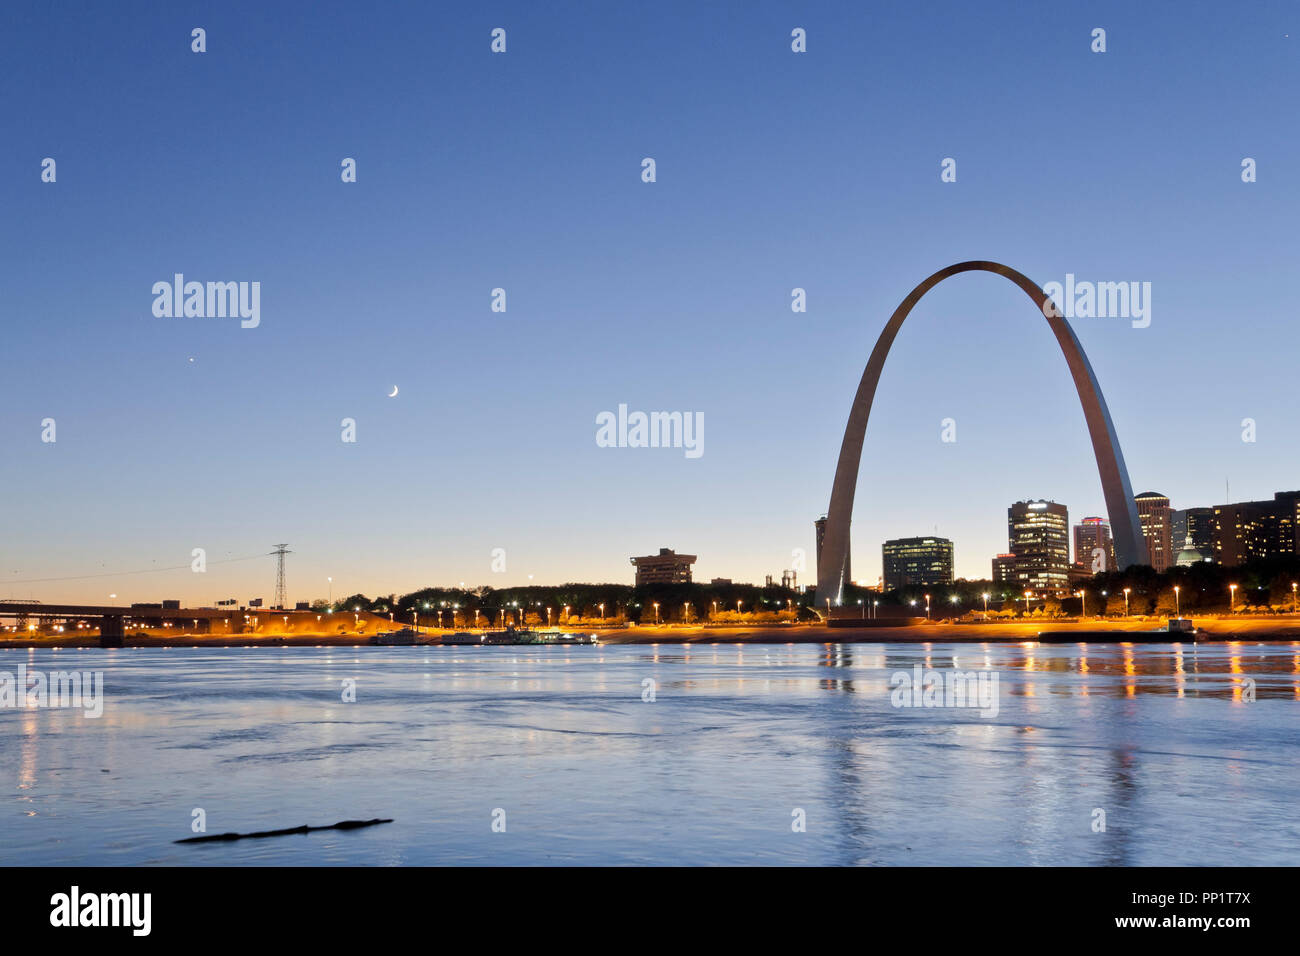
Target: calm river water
x=1192, y=753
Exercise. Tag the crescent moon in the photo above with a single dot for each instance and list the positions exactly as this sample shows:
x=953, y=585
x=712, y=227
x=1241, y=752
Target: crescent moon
x=394, y=392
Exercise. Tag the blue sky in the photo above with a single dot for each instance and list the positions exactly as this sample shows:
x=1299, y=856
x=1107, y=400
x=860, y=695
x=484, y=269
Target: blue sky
x=476, y=170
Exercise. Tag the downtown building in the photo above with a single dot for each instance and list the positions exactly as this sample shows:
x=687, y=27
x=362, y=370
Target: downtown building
x=1250, y=530
x=1092, y=535
x=916, y=562
x=666, y=567
x=1157, y=529
x=1038, y=534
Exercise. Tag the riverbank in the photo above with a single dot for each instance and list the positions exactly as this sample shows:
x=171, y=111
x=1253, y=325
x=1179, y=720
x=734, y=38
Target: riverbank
x=1273, y=628
x=1212, y=629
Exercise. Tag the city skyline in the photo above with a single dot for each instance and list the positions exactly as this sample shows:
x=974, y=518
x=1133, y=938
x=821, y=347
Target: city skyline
x=181, y=433
x=667, y=558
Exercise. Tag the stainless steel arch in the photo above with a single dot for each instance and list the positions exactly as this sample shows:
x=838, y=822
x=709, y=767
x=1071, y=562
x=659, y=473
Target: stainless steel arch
x=1125, y=527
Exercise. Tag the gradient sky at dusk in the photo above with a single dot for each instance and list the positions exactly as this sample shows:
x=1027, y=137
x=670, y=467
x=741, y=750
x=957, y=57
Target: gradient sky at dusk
x=522, y=170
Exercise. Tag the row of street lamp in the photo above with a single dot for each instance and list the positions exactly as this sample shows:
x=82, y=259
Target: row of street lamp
x=1083, y=597
x=686, y=611
x=874, y=607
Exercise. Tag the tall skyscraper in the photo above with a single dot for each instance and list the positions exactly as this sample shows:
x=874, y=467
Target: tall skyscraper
x=1091, y=535
x=1038, y=534
x=1248, y=530
x=916, y=561
x=1157, y=528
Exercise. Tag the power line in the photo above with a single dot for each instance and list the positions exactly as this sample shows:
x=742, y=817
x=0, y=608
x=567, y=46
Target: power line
x=119, y=574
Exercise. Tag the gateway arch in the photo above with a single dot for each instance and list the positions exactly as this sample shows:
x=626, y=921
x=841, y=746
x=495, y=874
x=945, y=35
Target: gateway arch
x=1126, y=529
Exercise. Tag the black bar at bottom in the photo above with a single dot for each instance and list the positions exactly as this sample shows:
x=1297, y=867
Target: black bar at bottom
x=331, y=905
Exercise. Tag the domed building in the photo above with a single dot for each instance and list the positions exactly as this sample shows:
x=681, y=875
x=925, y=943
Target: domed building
x=1189, y=555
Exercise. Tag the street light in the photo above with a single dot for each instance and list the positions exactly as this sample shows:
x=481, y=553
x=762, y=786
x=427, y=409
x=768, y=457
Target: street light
x=1178, y=608
x=687, y=609
x=927, y=607
x=656, y=612
x=1028, y=595
x=1232, y=598
x=985, y=595
x=1083, y=606
x=1126, y=590
x=875, y=610
x=1293, y=597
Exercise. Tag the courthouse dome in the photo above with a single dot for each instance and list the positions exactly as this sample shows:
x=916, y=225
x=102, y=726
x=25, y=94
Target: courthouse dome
x=1189, y=555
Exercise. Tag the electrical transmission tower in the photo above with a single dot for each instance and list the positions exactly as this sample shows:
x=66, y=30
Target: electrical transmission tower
x=280, y=551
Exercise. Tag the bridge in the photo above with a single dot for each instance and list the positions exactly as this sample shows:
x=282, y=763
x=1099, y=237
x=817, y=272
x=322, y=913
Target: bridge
x=113, y=620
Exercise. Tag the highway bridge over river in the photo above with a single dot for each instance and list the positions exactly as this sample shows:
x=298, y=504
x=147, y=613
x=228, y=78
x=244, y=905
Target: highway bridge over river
x=113, y=621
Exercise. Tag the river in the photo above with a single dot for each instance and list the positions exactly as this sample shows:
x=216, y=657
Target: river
x=662, y=754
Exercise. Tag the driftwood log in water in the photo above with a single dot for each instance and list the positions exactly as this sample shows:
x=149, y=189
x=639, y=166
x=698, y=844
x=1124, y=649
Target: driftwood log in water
x=341, y=825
